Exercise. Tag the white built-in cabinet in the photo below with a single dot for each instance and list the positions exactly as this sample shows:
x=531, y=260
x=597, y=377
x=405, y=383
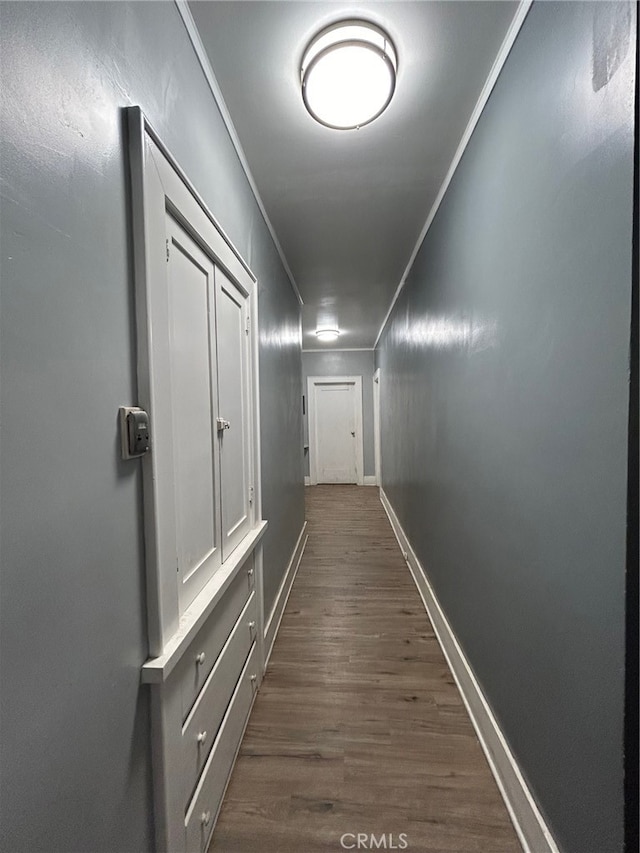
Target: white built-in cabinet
x=196, y=311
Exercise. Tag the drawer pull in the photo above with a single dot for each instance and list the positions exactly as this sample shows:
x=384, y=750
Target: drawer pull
x=202, y=736
x=200, y=658
x=205, y=818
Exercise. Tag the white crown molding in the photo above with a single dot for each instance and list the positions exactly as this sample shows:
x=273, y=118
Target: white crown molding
x=501, y=58
x=201, y=53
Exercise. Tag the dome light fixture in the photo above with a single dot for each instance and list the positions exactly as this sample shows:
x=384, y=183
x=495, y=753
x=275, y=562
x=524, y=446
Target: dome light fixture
x=327, y=334
x=348, y=74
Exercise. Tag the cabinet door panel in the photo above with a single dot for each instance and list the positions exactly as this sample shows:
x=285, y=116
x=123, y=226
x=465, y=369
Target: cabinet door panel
x=233, y=403
x=193, y=400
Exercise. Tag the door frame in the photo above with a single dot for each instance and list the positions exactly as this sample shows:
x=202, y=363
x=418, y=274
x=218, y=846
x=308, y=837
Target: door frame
x=377, y=448
x=312, y=383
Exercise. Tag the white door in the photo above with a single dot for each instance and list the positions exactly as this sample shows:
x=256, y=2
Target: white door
x=335, y=434
x=233, y=401
x=376, y=426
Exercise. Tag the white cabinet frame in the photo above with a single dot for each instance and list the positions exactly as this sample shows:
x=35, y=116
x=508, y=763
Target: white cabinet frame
x=158, y=184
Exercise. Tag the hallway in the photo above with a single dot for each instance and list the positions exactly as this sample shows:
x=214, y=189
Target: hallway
x=358, y=726
x=215, y=297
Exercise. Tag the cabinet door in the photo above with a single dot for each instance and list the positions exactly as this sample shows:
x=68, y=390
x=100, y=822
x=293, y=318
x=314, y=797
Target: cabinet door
x=193, y=390
x=233, y=405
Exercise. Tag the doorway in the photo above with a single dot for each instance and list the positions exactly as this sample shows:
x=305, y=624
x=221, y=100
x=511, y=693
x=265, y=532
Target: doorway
x=376, y=426
x=336, y=453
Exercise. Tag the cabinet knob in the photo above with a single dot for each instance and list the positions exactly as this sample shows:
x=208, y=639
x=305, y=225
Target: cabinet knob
x=202, y=736
x=206, y=818
x=254, y=678
x=252, y=625
x=250, y=572
x=200, y=659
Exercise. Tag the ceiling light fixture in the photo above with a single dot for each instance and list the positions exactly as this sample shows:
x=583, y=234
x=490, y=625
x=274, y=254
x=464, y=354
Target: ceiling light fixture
x=327, y=334
x=348, y=74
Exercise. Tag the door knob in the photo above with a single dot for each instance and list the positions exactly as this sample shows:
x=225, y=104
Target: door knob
x=353, y=433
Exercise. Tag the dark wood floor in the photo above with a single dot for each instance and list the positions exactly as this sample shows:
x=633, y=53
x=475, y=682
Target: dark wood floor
x=358, y=726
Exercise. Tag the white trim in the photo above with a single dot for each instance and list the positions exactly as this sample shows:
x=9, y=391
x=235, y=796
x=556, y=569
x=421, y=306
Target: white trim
x=369, y=480
x=203, y=58
x=312, y=381
x=307, y=480
x=501, y=58
x=273, y=623
x=529, y=824
x=341, y=349
x=138, y=125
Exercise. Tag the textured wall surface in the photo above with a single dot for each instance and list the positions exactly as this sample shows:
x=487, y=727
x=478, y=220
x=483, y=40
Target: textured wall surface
x=344, y=363
x=75, y=725
x=504, y=406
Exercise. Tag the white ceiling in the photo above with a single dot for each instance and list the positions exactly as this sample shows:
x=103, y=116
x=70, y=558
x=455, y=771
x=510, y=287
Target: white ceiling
x=348, y=206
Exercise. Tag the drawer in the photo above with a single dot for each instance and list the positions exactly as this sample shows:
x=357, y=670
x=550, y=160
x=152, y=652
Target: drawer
x=201, y=726
x=200, y=657
x=203, y=809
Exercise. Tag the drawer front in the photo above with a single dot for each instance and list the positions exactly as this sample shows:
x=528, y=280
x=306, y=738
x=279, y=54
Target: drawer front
x=202, y=724
x=199, y=659
x=204, y=806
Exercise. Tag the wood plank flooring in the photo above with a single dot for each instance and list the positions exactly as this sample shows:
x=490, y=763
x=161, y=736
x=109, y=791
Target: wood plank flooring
x=358, y=726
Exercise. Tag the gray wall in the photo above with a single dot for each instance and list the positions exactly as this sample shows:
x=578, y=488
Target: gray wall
x=344, y=363
x=504, y=407
x=75, y=727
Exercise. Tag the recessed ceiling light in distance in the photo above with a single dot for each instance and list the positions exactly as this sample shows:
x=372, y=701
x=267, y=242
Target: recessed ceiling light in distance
x=348, y=74
x=327, y=334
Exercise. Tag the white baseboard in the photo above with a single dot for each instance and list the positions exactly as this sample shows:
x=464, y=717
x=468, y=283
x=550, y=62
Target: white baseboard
x=529, y=824
x=273, y=623
x=367, y=480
